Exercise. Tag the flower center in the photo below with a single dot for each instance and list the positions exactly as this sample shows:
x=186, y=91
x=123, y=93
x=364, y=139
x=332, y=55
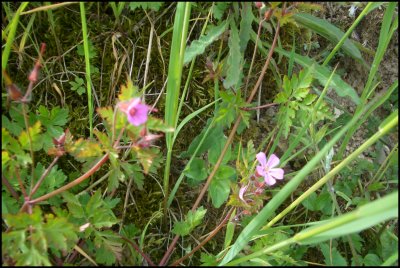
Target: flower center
x=266, y=168
x=132, y=111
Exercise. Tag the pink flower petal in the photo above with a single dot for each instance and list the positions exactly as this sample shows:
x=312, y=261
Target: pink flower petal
x=260, y=170
x=273, y=161
x=269, y=180
x=276, y=173
x=241, y=192
x=262, y=159
x=133, y=103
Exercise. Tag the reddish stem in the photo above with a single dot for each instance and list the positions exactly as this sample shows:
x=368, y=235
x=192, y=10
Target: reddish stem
x=149, y=261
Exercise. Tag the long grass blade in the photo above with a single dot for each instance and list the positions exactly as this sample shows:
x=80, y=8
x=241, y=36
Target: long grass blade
x=181, y=24
x=11, y=35
x=87, y=63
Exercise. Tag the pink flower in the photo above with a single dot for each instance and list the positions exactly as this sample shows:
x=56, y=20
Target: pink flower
x=135, y=110
x=267, y=170
x=242, y=191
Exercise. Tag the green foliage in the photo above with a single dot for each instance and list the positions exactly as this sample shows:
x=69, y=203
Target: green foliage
x=234, y=60
x=192, y=219
x=146, y=5
x=78, y=85
x=196, y=172
x=245, y=25
x=43, y=233
x=220, y=186
x=197, y=47
x=329, y=31
x=53, y=121
x=92, y=50
x=219, y=9
x=229, y=109
x=332, y=255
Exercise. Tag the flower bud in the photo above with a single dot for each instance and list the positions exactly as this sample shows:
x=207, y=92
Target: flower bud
x=258, y=4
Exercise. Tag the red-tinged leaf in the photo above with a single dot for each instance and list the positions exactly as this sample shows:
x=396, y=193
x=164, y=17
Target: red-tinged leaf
x=145, y=156
x=103, y=138
x=107, y=113
x=34, y=132
x=82, y=149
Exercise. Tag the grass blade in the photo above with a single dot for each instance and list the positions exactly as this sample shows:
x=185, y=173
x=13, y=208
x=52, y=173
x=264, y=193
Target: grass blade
x=330, y=32
x=11, y=34
x=321, y=73
x=87, y=63
x=181, y=25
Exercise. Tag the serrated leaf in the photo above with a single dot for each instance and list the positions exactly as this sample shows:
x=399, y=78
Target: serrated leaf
x=34, y=132
x=281, y=97
x=309, y=99
x=146, y=5
x=234, y=59
x=300, y=93
x=321, y=73
x=113, y=180
x=219, y=9
x=192, y=219
x=197, y=47
x=82, y=149
x=145, y=156
x=128, y=91
x=245, y=25
x=103, y=138
x=58, y=231
x=158, y=125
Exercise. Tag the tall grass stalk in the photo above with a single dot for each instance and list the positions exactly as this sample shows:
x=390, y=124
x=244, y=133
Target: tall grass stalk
x=87, y=63
x=11, y=35
x=181, y=25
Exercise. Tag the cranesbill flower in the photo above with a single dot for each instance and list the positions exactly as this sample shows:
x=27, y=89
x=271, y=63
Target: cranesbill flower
x=135, y=111
x=266, y=168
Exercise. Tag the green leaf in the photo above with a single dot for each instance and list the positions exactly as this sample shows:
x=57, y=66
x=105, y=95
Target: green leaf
x=197, y=47
x=58, y=231
x=115, y=177
x=192, y=220
x=83, y=149
x=329, y=31
x=321, y=73
x=34, y=132
x=215, y=151
x=245, y=25
x=372, y=260
x=128, y=91
x=197, y=171
x=92, y=50
x=234, y=60
x=219, y=191
x=332, y=256
x=158, y=125
x=219, y=9
x=212, y=138
x=146, y=5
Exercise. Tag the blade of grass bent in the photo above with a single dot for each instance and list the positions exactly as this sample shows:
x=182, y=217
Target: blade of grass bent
x=87, y=63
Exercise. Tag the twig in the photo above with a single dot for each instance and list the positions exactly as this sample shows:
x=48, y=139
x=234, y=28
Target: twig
x=9, y=187
x=258, y=107
x=138, y=250
x=37, y=185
